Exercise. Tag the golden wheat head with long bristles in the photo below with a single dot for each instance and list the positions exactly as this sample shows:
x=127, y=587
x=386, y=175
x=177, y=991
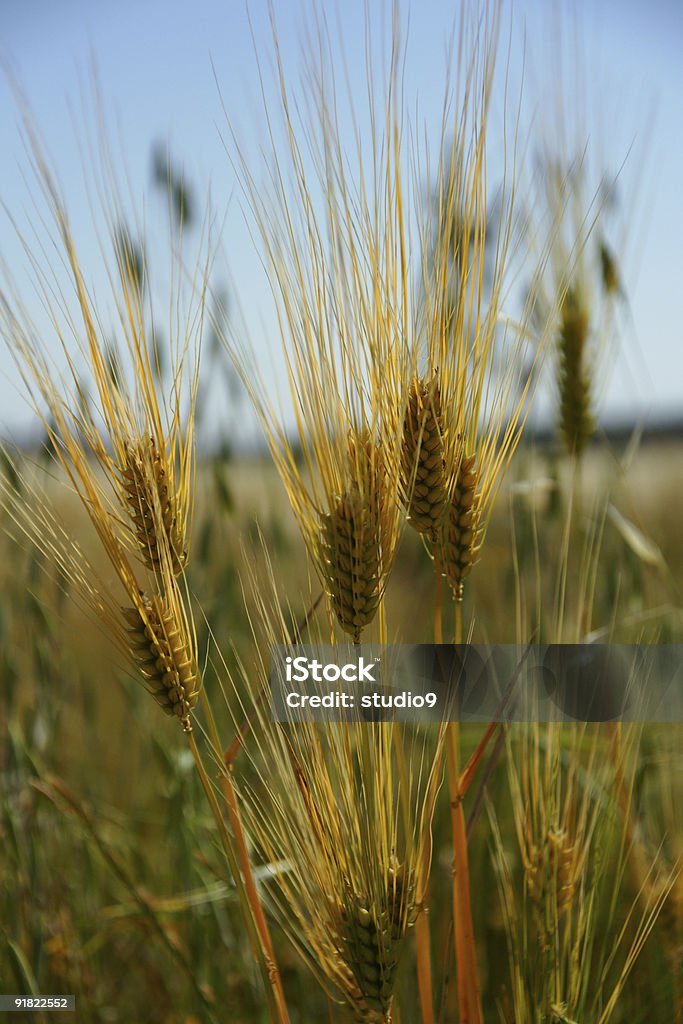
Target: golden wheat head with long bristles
x=352, y=548
x=151, y=629
x=463, y=417
x=107, y=416
x=126, y=449
x=423, y=461
x=570, y=854
x=334, y=234
x=346, y=818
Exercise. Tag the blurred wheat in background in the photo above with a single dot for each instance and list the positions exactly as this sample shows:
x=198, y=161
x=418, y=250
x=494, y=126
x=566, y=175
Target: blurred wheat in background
x=434, y=281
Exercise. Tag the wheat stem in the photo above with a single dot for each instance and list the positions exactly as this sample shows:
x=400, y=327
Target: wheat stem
x=278, y=1011
x=468, y=985
x=422, y=933
x=252, y=894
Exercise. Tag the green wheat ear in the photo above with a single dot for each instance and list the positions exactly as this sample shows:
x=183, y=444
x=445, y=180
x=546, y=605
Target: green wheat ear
x=576, y=421
x=372, y=941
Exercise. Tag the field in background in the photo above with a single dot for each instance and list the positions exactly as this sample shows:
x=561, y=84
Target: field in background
x=111, y=885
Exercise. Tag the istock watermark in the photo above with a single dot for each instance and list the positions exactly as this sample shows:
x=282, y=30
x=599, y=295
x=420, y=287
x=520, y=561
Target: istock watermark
x=470, y=682
x=301, y=669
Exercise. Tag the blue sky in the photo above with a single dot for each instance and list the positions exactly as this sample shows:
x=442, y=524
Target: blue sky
x=154, y=62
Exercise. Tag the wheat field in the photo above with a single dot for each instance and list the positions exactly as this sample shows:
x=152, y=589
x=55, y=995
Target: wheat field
x=168, y=850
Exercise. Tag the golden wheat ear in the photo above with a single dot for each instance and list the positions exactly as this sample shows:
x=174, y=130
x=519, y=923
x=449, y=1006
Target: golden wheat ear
x=353, y=538
x=123, y=432
x=348, y=807
x=423, y=457
x=164, y=655
x=461, y=536
x=147, y=480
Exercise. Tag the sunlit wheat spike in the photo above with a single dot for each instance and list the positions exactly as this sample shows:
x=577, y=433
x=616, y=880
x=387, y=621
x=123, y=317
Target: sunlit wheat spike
x=334, y=236
x=582, y=191
x=127, y=453
x=423, y=457
x=461, y=537
x=164, y=655
x=351, y=552
x=574, y=374
x=147, y=479
x=464, y=419
x=153, y=636
x=352, y=548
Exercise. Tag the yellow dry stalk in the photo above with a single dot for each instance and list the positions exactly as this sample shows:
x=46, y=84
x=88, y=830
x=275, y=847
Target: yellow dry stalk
x=106, y=416
x=351, y=820
x=333, y=231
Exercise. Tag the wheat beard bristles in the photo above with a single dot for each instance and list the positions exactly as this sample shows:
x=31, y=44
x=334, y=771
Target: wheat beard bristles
x=461, y=532
x=145, y=475
x=423, y=479
x=576, y=420
x=352, y=541
x=371, y=943
x=164, y=657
